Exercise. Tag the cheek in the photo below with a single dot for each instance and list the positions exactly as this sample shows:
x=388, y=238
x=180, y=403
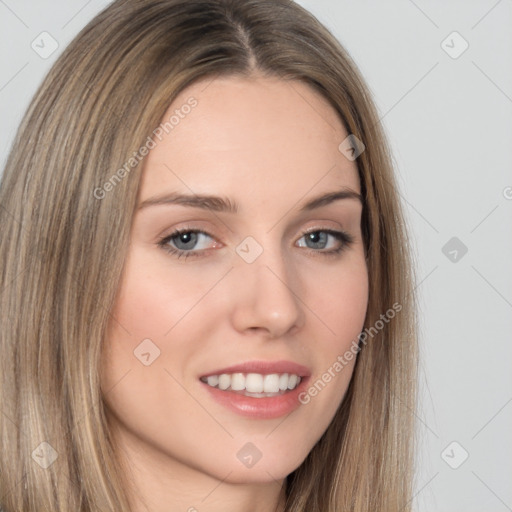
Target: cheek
x=340, y=300
x=160, y=317
x=340, y=306
x=153, y=298
x=146, y=308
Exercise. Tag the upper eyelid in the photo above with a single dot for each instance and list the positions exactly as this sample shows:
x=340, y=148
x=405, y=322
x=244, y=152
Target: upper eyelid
x=318, y=224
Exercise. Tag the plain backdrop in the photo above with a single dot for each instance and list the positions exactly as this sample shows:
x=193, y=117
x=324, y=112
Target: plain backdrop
x=440, y=73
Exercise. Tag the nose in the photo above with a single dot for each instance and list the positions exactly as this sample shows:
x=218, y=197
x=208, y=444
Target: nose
x=266, y=296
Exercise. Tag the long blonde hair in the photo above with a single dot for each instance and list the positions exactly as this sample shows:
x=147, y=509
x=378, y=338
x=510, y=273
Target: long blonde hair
x=62, y=252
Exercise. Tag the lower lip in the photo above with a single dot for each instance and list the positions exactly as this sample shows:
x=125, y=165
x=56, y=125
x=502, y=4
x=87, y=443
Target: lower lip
x=259, y=408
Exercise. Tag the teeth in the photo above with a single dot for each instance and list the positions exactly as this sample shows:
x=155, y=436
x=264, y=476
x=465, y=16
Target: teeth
x=271, y=383
x=254, y=382
x=237, y=381
x=213, y=380
x=224, y=381
x=292, y=381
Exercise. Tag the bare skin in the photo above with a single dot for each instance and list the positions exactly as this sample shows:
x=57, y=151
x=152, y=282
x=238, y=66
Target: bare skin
x=270, y=146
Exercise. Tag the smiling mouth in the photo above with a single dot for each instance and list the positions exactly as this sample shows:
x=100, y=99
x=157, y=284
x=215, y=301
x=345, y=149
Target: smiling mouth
x=255, y=385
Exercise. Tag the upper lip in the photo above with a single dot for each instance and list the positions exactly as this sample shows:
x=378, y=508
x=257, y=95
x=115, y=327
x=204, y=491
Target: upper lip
x=265, y=368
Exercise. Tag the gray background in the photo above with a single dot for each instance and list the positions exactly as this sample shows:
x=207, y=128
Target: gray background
x=449, y=121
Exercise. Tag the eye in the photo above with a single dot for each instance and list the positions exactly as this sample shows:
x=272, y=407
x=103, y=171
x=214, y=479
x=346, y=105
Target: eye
x=319, y=239
x=184, y=241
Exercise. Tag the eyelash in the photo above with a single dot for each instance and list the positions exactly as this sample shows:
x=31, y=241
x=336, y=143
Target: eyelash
x=341, y=236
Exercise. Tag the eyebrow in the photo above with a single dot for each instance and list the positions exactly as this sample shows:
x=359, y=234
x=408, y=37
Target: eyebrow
x=224, y=204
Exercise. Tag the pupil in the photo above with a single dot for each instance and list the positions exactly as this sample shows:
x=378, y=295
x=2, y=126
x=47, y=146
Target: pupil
x=185, y=238
x=317, y=237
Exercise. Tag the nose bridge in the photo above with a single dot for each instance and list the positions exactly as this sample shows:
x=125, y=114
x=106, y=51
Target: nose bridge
x=267, y=296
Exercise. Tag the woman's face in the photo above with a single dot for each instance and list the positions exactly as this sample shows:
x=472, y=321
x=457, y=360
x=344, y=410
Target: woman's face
x=246, y=287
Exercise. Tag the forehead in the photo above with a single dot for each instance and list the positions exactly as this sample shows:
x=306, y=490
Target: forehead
x=249, y=135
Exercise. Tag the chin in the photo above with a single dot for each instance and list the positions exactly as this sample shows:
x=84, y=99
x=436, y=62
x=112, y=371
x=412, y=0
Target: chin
x=248, y=468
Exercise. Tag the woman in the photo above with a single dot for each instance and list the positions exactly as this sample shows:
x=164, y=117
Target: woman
x=207, y=294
